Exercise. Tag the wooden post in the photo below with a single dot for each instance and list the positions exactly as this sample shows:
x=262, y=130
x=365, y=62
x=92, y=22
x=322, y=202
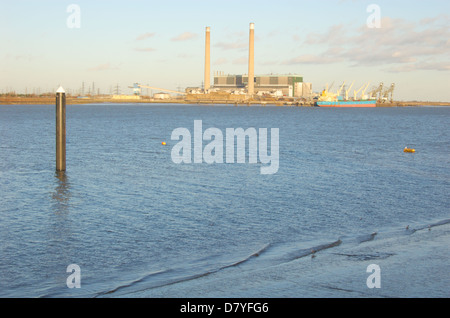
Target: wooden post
x=60, y=129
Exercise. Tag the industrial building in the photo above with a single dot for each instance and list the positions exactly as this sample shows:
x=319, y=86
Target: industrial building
x=251, y=85
x=275, y=85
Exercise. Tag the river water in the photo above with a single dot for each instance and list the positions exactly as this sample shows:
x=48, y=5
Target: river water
x=345, y=196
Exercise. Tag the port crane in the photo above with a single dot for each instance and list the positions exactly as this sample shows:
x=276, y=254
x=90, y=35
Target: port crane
x=389, y=91
x=329, y=88
x=355, y=92
x=340, y=89
x=364, y=91
x=377, y=92
x=137, y=89
x=347, y=90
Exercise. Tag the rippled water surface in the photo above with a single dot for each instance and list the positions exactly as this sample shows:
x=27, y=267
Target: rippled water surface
x=138, y=224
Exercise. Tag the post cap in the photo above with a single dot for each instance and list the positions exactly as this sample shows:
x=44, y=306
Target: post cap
x=60, y=90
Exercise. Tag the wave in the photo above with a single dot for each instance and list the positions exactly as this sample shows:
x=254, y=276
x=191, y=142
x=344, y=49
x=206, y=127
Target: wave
x=270, y=254
x=420, y=227
x=293, y=253
x=439, y=223
x=366, y=237
x=132, y=283
x=173, y=276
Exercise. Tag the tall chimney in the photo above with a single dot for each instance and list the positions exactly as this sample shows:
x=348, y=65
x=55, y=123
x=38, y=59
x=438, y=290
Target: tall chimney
x=207, y=60
x=251, y=61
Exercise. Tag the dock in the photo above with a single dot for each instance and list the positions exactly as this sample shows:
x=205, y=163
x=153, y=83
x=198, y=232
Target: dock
x=196, y=99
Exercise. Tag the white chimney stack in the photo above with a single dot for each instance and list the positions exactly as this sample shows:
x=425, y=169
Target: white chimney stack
x=207, y=60
x=251, y=61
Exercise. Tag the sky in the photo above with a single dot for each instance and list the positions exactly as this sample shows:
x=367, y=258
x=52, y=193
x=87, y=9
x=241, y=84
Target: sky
x=107, y=43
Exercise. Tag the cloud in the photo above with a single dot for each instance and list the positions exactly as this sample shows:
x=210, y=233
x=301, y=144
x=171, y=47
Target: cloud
x=334, y=35
x=145, y=36
x=296, y=38
x=231, y=45
x=240, y=61
x=220, y=61
x=185, y=56
x=422, y=66
x=102, y=67
x=400, y=44
x=269, y=62
x=442, y=18
x=185, y=36
x=145, y=49
x=312, y=59
x=27, y=57
x=274, y=33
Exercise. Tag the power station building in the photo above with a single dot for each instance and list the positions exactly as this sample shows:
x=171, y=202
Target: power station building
x=279, y=85
x=250, y=84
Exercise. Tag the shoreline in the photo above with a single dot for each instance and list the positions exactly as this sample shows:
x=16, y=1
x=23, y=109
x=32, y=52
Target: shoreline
x=190, y=101
x=412, y=264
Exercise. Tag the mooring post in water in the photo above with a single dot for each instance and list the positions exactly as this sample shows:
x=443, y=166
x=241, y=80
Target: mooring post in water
x=60, y=129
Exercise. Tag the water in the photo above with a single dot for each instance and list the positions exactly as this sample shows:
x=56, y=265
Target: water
x=139, y=225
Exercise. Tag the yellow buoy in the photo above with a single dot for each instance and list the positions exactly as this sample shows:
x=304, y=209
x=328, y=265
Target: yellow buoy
x=163, y=143
x=409, y=150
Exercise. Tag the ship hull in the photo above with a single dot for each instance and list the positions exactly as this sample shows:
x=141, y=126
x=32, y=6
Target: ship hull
x=348, y=103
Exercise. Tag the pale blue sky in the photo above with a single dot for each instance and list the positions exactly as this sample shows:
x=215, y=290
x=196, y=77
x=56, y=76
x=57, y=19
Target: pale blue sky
x=161, y=43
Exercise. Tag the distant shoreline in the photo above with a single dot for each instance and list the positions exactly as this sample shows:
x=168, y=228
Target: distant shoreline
x=8, y=100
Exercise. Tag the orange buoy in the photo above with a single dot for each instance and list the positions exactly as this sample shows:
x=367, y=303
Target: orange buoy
x=409, y=150
x=163, y=143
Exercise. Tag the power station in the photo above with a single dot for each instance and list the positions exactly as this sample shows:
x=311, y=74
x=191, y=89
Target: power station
x=238, y=87
x=250, y=87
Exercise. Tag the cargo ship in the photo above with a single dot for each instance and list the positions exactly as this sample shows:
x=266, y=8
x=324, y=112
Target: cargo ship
x=328, y=99
x=347, y=103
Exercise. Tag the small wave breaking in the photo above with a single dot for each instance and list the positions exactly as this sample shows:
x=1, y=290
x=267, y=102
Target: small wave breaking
x=270, y=254
x=177, y=275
